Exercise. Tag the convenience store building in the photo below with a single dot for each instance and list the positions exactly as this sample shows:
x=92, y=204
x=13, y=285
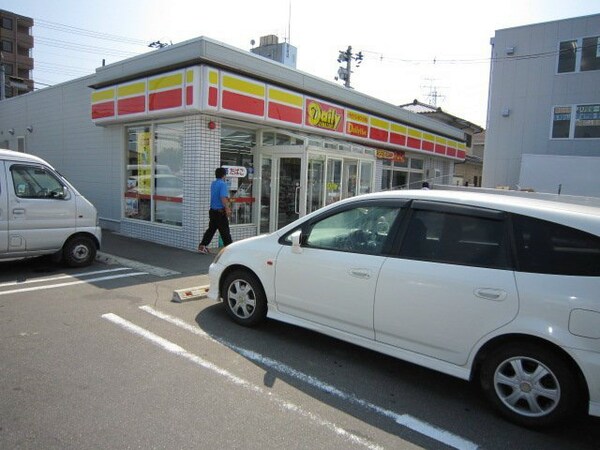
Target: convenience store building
x=141, y=139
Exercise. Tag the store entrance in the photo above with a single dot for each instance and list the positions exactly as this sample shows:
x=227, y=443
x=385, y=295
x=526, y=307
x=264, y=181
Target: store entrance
x=281, y=198
x=297, y=180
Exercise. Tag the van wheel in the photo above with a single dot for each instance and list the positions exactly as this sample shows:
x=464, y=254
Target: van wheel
x=531, y=385
x=79, y=251
x=244, y=298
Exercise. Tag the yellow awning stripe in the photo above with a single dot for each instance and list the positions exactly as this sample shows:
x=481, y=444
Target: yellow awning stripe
x=175, y=80
x=107, y=94
x=131, y=89
x=243, y=86
x=285, y=97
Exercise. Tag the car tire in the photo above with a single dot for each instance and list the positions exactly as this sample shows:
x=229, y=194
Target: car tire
x=79, y=251
x=531, y=385
x=244, y=298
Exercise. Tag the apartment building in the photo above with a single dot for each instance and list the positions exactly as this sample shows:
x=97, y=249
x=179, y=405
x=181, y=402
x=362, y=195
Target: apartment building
x=17, y=43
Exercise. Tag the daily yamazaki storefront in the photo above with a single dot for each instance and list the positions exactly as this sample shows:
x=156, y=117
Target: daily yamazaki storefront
x=291, y=143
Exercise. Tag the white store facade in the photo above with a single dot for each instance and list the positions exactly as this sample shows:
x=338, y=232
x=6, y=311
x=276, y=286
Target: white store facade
x=141, y=139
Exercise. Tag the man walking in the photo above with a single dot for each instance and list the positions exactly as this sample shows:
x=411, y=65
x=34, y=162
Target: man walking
x=218, y=216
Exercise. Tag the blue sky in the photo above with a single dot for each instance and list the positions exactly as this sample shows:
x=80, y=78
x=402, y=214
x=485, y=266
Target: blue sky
x=399, y=39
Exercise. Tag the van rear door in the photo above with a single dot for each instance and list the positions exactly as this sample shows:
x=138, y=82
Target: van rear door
x=42, y=210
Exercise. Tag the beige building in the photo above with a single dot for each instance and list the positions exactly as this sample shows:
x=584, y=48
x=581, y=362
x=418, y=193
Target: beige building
x=467, y=172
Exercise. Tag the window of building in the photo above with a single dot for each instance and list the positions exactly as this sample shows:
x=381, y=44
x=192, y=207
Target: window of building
x=8, y=69
x=587, y=121
x=402, y=174
x=590, y=53
x=567, y=56
x=579, y=55
x=585, y=126
x=153, y=176
x=561, y=122
x=7, y=23
x=7, y=46
x=237, y=145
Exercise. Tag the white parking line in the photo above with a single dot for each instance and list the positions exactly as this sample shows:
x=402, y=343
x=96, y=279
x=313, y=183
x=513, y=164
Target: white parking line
x=62, y=277
x=154, y=270
x=405, y=420
x=284, y=404
x=72, y=283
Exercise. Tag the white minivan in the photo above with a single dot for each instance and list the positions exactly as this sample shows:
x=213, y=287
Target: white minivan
x=41, y=213
x=495, y=288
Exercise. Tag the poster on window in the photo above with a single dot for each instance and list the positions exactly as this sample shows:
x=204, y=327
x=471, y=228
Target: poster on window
x=144, y=163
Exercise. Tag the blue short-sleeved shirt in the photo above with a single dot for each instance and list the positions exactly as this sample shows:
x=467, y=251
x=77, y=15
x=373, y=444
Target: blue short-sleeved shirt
x=218, y=189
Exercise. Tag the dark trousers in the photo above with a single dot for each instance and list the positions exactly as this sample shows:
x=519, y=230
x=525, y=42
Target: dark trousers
x=217, y=220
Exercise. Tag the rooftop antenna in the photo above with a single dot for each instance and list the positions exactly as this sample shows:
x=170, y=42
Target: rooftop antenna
x=434, y=93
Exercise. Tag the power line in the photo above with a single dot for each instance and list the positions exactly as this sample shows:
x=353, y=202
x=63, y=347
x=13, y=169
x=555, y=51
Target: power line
x=84, y=48
x=89, y=33
x=381, y=57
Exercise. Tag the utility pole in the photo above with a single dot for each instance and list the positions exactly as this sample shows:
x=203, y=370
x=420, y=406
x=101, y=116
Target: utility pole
x=347, y=57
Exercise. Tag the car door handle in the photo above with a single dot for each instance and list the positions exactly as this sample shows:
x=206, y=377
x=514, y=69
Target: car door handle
x=360, y=273
x=17, y=212
x=490, y=294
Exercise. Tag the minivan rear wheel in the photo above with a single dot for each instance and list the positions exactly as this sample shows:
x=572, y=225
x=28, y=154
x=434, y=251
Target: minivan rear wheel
x=531, y=385
x=79, y=251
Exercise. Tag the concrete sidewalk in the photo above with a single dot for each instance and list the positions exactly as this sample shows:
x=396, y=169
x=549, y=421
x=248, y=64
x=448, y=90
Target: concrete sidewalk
x=151, y=254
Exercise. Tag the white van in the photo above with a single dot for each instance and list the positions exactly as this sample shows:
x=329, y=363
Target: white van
x=41, y=213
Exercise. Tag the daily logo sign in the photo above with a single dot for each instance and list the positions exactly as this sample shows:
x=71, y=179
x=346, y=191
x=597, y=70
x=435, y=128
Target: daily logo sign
x=322, y=115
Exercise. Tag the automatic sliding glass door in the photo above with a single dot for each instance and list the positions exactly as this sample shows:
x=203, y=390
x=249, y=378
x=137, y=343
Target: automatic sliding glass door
x=288, y=187
x=316, y=177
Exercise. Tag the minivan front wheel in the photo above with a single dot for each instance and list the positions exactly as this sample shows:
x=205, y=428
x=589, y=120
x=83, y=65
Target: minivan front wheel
x=79, y=251
x=530, y=385
x=244, y=298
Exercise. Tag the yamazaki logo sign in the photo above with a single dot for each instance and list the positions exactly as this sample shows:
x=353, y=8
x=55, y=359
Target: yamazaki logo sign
x=390, y=155
x=321, y=115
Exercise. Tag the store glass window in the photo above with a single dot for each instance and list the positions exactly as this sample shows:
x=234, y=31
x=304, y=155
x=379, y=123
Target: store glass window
x=153, y=176
x=237, y=145
x=334, y=181
x=402, y=174
x=590, y=53
x=567, y=56
x=561, y=122
x=366, y=177
x=168, y=174
x=587, y=121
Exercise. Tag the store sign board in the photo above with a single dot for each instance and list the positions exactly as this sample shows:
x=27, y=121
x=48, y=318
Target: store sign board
x=395, y=156
x=324, y=116
x=357, y=124
x=205, y=88
x=236, y=171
